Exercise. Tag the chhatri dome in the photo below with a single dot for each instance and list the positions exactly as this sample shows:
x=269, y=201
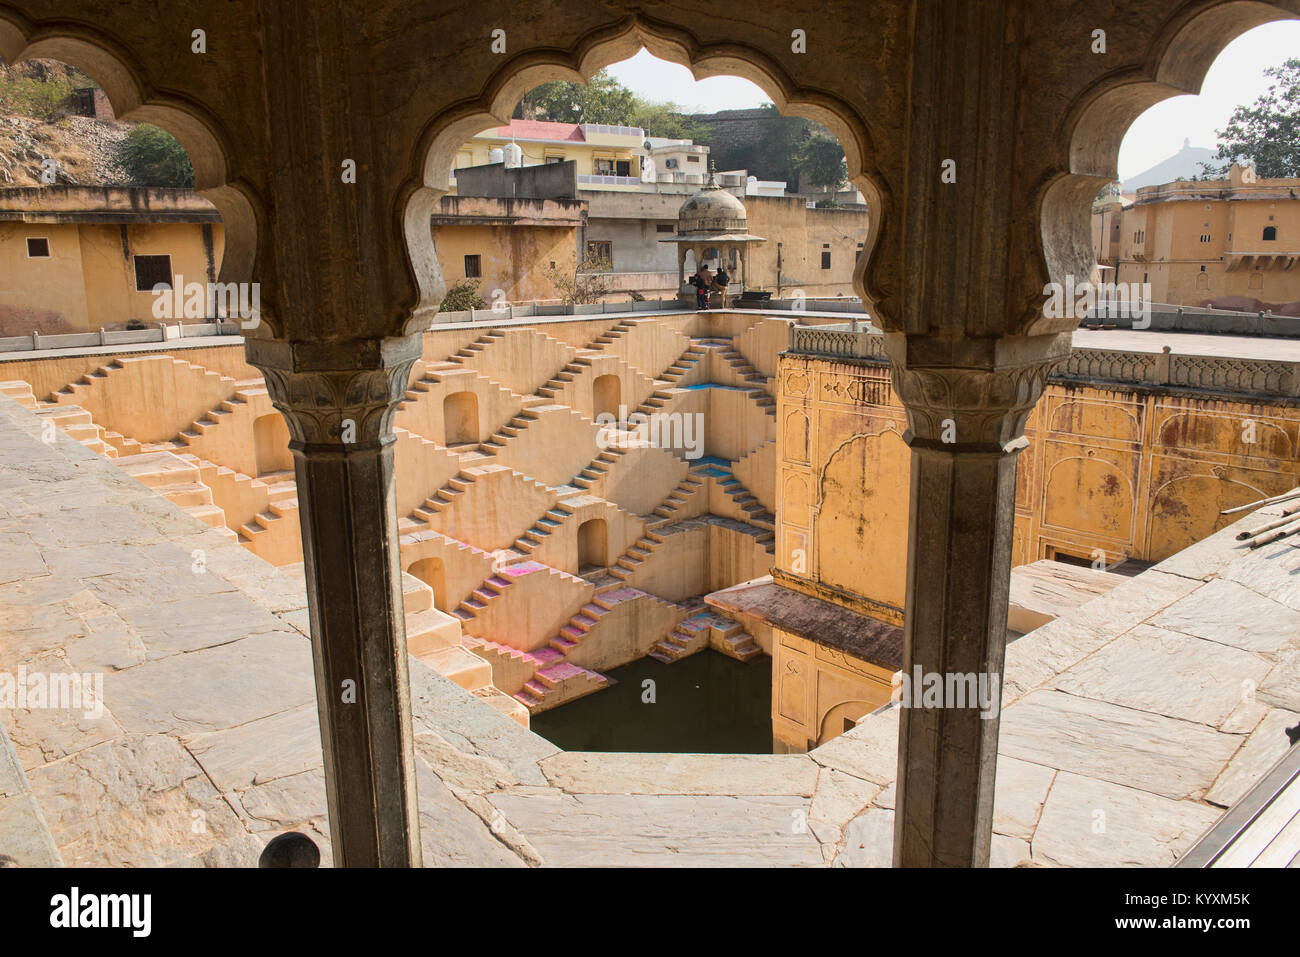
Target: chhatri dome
x=713, y=224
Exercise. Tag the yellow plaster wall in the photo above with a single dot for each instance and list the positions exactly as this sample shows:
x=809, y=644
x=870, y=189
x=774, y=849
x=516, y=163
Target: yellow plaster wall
x=89, y=279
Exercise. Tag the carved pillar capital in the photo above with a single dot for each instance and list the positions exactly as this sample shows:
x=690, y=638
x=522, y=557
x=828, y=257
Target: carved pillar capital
x=970, y=396
x=336, y=394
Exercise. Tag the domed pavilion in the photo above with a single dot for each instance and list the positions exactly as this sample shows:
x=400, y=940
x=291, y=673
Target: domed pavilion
x=713, y=225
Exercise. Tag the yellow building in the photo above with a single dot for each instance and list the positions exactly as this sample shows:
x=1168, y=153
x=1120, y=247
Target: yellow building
x=510, y=245
x=1133, y=454
x=78, y=258
x=1231, y=243
x=607, y=157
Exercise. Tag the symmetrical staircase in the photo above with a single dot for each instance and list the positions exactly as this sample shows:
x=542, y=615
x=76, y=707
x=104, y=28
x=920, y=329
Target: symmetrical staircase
x=442, y=499
x=478, y=599
x=245, y=390
x=598, y=468
x=755, y=511
x=670, y=509
x=697, y=633
x=553, y=389
x=624, y=570
x=177, y=480
x=541, y=530
x=77, y=423
x=558, y=684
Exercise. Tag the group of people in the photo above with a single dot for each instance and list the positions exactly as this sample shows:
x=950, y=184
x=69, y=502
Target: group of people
x=705, y=282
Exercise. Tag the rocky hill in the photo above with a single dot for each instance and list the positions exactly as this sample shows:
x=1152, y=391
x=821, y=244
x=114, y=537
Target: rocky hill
x=35, y=125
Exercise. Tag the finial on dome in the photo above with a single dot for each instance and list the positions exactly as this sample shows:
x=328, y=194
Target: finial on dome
x=713, y=180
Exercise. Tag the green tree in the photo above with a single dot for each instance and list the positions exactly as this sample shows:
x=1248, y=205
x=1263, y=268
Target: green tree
x=669, y=121
x=820, y=162
x=462, y=296
x=603, y=100
x=1267, y=132
x=41, y=99
x=153, y=157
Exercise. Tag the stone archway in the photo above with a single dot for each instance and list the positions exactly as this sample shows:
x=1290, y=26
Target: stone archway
x=460, y=418
x=593, y=544
x=433, y=572
x=585, y=56
x=606, y=393
x=271, y=444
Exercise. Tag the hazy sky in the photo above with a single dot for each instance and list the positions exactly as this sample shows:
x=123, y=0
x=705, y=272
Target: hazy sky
x=1237, y=77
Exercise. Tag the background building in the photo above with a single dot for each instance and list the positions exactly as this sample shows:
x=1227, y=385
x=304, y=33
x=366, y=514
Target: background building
x=1229, y=243
x=76, y=258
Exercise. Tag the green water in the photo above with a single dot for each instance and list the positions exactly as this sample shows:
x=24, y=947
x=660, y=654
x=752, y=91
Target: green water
x=707, y=703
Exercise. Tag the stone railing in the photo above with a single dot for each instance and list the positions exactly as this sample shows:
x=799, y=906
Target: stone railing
x=158, y=332
x=1226, y=374
x=838, y=341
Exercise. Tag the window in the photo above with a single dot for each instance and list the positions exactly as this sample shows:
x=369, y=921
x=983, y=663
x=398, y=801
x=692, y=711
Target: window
x=858, y=254
x=38, y=248
x=554, y=159
x=473, y=267
x=662, y=228
x=1270, y=233
x=601, y=249
x=826, y=259
x=609, y=167
x=692, y=159
x=152, y=271
x=1205, y=237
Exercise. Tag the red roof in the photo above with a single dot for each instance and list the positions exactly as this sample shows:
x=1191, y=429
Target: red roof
x=542, y=130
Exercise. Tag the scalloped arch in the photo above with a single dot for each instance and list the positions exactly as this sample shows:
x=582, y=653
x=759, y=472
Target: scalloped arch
x=1176, y=62
x=194, y=127
x=445, y=133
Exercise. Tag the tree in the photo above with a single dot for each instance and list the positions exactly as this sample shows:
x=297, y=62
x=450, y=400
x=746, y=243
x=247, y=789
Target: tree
x=461, y=297
x=153, y=157
x=603, y=100
x=1267, y=132
x=820, y=162
x=669, y=121
x=586, y=284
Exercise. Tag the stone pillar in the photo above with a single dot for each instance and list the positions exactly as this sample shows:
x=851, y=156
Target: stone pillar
x=966, y=413
x=338, y=399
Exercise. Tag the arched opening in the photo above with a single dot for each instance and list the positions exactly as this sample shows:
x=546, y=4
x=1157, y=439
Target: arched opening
x=271, y=444
x=433, y=572
x=605, y=393
x=460, y=418
x=593, y=544
x=502, y=142
x=1270, y=234
x=97, y=268
x=845, y=715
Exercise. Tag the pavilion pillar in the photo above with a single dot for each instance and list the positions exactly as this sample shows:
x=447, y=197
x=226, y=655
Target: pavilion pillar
x=339, y=399
x=965, y=429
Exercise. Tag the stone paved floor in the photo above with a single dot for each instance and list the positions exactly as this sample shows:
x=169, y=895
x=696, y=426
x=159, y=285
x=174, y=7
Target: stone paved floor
x=1128, y=724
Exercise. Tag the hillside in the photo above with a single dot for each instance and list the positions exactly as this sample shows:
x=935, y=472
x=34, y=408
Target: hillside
x=34, y=126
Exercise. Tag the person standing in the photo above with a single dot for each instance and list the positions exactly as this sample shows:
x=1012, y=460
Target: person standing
x=702, y=288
